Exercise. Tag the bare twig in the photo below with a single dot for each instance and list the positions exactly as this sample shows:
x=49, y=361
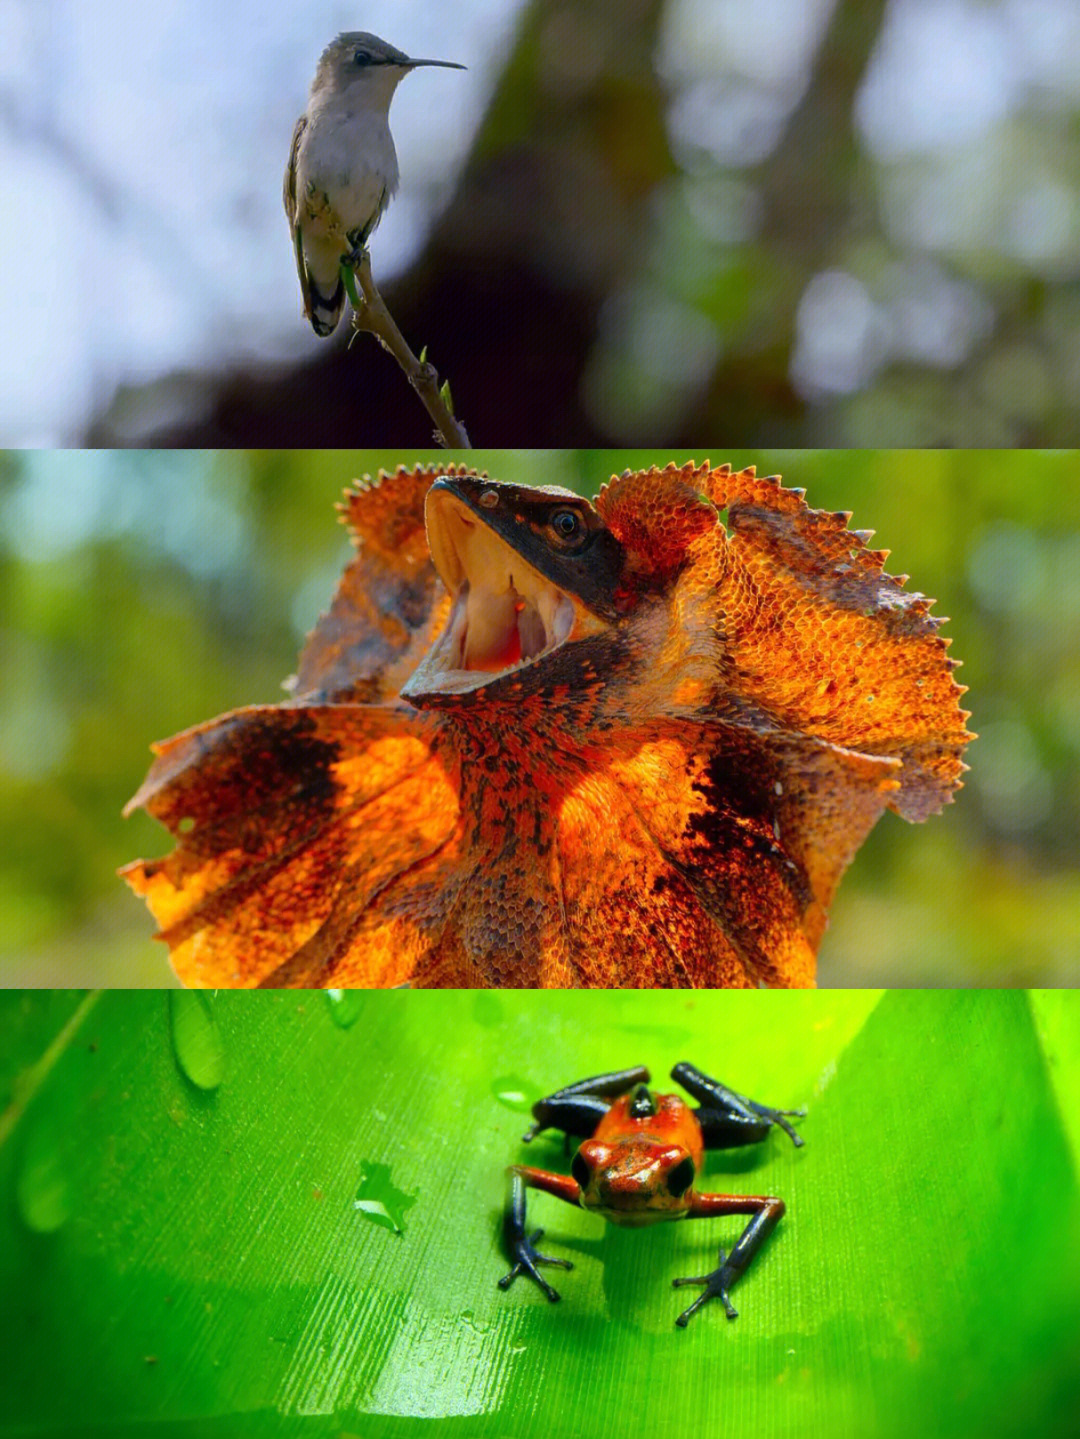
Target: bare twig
x=370, y=313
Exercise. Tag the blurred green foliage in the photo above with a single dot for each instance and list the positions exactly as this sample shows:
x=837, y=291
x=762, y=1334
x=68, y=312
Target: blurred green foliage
x=144, y=592
x=866, y=236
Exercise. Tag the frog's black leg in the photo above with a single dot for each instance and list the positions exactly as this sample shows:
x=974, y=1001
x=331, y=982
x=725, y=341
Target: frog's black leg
x=728, y=1119
x=767, y=1212
x=578, y=1108
x=522, y=1245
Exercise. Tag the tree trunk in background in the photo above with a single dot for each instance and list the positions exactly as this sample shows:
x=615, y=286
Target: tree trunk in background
x=808, y=214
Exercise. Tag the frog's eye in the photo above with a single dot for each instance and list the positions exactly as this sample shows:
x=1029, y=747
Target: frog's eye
x=681, y=1177
x=581, y=1172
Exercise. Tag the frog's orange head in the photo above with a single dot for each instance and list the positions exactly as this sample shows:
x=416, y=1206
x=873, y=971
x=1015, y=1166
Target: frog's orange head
x=636, y=1169
x=634, y=1180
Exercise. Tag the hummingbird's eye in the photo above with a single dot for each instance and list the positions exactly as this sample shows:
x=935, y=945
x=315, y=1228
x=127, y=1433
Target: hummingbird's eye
x=567, y=528
x=362, y=57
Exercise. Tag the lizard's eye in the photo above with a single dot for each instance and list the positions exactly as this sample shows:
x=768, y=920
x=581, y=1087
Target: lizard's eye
x=681, y=1177
x=580, y=1170
x=567, y=529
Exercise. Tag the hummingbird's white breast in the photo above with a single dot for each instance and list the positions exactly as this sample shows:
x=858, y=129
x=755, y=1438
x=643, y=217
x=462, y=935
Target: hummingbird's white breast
x=346, y=168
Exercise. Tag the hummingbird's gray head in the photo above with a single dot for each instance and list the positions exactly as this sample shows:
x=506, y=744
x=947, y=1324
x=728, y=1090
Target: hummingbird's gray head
x=358, y=58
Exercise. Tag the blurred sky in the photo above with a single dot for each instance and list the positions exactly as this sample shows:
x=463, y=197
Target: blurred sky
x=142, y=147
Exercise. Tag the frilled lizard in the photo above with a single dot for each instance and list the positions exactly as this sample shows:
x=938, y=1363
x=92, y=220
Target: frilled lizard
x=537, y=741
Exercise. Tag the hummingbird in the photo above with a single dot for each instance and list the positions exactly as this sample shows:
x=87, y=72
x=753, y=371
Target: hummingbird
x=343, y=168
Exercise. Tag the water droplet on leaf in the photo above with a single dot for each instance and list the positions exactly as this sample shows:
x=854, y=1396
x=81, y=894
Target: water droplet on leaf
x=516, y=1094
x=42, y=1190
x=345, y=1006
x=379, y=1200
x=196, y=1038
x=487, y=1009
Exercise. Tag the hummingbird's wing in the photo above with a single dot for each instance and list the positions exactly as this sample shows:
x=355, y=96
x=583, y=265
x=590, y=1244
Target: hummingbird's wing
x=289, y=189
x=292, y=211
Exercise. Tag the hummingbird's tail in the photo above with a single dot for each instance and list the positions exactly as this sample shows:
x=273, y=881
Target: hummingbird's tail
x=324, y=310
x=318, y=262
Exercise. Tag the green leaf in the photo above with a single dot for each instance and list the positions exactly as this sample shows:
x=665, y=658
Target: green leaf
x=348, y=279
x=179, y=1259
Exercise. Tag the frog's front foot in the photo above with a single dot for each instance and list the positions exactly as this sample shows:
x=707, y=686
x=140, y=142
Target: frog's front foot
x=779, y=1118
x=716, y=1287
x=527, y=1257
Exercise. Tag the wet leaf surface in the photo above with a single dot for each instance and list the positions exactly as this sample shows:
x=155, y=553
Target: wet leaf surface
x=210, y=1273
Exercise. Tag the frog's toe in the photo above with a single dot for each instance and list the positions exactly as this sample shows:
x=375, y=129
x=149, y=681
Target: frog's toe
x=715, y=1287
x=780, y=1117
x=527, y=1257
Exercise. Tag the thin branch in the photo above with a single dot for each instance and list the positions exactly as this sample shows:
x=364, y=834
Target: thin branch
x=370, y=313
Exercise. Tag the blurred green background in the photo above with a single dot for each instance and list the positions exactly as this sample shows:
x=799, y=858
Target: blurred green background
x=146, y=591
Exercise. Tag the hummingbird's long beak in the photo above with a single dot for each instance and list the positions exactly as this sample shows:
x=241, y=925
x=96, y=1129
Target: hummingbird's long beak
x=444, y=64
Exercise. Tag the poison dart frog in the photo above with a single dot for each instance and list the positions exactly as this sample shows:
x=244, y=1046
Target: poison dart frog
x=639, y=1163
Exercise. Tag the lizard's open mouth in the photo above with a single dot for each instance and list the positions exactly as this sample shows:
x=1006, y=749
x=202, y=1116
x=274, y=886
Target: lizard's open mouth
x=505, y=614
